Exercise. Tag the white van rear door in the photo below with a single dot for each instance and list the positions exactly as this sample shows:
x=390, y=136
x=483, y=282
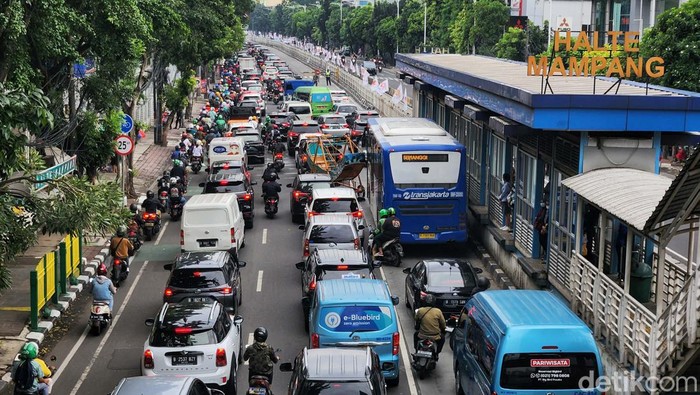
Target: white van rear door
x=206, y=229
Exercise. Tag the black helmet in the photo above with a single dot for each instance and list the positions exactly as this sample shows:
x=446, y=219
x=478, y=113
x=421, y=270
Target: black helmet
x=274, y=176
x=134, y=208
x=166, y=174
x=150, y=195
x=260, y=334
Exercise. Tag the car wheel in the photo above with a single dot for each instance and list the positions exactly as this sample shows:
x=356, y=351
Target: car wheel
x=249, y=224
x=458, y=382
x=240, y=353
x=408, y=304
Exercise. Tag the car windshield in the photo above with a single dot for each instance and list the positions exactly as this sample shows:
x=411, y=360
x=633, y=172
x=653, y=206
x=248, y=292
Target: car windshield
x=309, y=186
x=168, y=337
x=336, y=388
x=324, y=234
x=365, y=117
x=347, y=205
x=249, y=137
x=454, y=279
x=279, y=118
x=197, y=278
x=346, y=109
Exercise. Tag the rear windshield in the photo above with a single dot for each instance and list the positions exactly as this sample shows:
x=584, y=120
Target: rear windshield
x=364, y=118
x=249, y=104
x=306, y=129
x=224, y=187
x=346, y=108
x=451, y=279
x=234, y=169
x=166, y=337
x=346, y=205
x=336, y=388
x=333, y=273
x=197, y=278
x=356, y=318
x=540, y=371
x=340, y=120
x=206, y=217
x=300, y=109
x=309, y=186
x=323, y=234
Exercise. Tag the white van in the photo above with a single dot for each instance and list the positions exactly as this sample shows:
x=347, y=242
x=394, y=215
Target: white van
x=212, y=222
x=226, y=148
x=302, y=109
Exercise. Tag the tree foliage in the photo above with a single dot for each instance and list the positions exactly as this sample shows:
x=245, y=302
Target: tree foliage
x=512, y=45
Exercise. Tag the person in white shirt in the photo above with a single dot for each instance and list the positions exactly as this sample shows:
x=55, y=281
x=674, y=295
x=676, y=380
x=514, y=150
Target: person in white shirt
x=197, y=150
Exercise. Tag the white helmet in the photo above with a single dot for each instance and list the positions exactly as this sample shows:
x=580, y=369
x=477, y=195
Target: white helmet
x=199, y=142
x=173, y=180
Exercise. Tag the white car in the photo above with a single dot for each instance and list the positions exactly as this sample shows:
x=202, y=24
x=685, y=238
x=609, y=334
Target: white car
x=270, y=73
x=339, y=97
x=195, y=338
x=334, y=125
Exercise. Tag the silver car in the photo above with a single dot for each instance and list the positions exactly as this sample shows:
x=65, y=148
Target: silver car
x=324, y=231
x=171, y=385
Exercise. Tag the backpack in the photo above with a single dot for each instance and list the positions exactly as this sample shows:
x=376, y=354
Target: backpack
x=25, y=376
x=260, y=361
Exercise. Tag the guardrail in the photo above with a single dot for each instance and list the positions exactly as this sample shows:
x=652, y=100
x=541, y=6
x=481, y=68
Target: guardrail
x=50, y=277
x=351, y=83
x=55, y=172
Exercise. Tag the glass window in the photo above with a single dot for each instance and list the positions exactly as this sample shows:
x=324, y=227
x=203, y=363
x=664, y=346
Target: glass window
x=182, y=337
x=540, y=371
x=197, y=278
x=323, y=234
x=440, y=116
x=335, y=205
x=454, y=279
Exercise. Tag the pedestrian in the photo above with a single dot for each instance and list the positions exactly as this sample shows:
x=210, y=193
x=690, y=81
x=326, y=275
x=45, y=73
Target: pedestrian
x=542, y=227
x=178, y=119
x=506, y=190
x=328, y=76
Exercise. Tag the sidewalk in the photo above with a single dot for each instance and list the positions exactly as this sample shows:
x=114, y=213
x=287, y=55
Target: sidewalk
x=150, y=161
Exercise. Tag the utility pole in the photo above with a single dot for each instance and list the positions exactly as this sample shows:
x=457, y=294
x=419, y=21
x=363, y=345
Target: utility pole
x=425, y=22
x=397, y=27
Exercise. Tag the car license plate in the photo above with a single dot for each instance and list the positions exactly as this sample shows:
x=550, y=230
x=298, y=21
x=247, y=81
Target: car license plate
x=421, y=353
x=184, y=360
x=257, y=391
x=426, y=236
x=150, y=224
x=454, y=302
x=197, y=299
x=350, y=275
x=207, y=243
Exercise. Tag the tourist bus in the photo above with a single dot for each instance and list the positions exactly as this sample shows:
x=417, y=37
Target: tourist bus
x=417, y=168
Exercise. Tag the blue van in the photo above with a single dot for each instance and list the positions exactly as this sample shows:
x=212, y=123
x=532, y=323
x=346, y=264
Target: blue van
x=357, y=313
x=523, y=342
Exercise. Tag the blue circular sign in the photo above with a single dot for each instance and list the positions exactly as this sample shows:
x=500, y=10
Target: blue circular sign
x=219, y=149
x=127, y=124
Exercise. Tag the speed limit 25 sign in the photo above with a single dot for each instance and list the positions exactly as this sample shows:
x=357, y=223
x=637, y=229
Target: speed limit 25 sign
x=124, y=146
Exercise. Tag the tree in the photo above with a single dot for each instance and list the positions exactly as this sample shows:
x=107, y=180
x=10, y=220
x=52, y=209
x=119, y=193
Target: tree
x=675, y=38
x=460, y=28
x=96, y=137
x=512, y=45
x=260, y=19
x=386, y=37
x=490, y=18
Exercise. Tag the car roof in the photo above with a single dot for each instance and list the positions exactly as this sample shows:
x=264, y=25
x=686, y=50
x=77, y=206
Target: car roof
x=339, y=192
x=166, y=385
x=199, y=314
x=337, y=363
x=281, y=114
x=331, y=219
x=444, y=265
x=355, y=290
x=326, y=116
x=209, y=259
x=334, y=257
x=367, y=112
x=307, y=177
x=301, y=122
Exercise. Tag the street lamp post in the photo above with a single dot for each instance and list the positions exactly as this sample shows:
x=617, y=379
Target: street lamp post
x=397, y=26
x=425, y=22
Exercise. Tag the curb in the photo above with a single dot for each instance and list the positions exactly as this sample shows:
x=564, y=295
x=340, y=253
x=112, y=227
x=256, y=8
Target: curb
x=55, y=311
x=499, y=276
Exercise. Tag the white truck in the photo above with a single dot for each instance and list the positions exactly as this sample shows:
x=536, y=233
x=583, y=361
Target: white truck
x=247, y=63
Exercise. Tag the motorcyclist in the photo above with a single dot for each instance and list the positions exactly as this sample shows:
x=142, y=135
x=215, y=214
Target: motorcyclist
x=261, y=355
x=383, y=214
x=102, y=288
x=278, y=148
x=136, y=220
x=176, y=183
x=430, y=324
x=271, y=189
x=28, y=375
x=197, y=151
x=120, y=247
x=151, y=204
x=390, y=229
x=270, y=174
x=179, y=170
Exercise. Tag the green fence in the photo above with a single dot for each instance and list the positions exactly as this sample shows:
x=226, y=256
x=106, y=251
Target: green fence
x=52, y=274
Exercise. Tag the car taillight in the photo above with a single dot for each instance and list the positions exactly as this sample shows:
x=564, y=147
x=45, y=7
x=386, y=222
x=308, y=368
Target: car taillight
x=324, y=126
x=148, y=359
x=346, y=125
x=306, y=247
x=314, y=340
x=233, y=235
x=296, y=195
x=358, y=214
x=117, y=262
x=247, y=196
x=293, y=134
x=285, y=124
x=168, y=292
x=357, y=243
x=220, y=357
x=304, y=157
x=182, y=237
x=395, y=344
x=423, y=295
x=227, y=291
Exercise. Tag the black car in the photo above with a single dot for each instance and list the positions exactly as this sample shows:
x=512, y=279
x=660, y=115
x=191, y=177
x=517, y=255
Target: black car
x=336, y=371
x=360, y=125
x=299, y=127
x=301, y=192
x=252, y=144
x=282, y=121
x=204, y=275
x=330, y=264
x=451, y=281
x=370, y=66
x=233, y=181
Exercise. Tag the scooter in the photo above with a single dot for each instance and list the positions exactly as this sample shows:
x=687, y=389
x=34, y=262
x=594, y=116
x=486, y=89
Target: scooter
x=259, y=385
x=392, y=250
x=271, y=206
x=120, y=270
x=425, y=357
x=100, y=317
x=150, y=226
x=196, y=164
x=278, y=162
x=175, y=203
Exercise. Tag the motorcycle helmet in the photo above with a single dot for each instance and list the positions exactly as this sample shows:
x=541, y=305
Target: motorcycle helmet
x=133, y=208
x=391, y=211
x=260, y=334
x=165, y=173
x=150, y=195
x=29, y=351
x=429, y=300
x=121, y=231
x=274, y=176
x=199, y=143
x=177, y=162
x=383, y=213
x=102, y=270
x=173, y=180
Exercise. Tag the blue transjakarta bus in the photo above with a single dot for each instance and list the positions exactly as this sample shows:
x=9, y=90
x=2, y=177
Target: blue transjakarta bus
x=417, y=168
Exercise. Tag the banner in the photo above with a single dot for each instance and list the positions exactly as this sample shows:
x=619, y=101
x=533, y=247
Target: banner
x=398, y=94
x=365, y=76
x=383, y=87
x=375, y=85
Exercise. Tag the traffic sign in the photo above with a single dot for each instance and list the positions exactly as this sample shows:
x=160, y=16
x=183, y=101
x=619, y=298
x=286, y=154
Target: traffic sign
x=127, y=124
x=125, y=145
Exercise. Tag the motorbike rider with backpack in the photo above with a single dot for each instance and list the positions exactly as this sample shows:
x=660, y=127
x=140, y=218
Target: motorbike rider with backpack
x=271, y=189
x=28, y=375
x=178, y=170
x=102, y=287
x=389, y=229
x=121, y=247
x=151, y=204
x=270, y=174
x=430, y=324
x=261, y=355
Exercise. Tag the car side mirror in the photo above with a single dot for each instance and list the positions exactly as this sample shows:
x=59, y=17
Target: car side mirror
x=395, y=300
x=483, y=283
x=168, y=266
x=201, y=185
x=299, y=265
x=242, y=263
x=238, y=320
x=150, y=322
x=302, y=227
x=289, y=185
x=361, y=199
x=286, y=367
x=478, y=270
x=407, y=270
x=213, y=391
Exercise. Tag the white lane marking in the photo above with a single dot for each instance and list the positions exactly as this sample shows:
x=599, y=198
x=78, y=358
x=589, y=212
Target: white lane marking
x=404, y=348
x=250, y=341
x=71, y=354
x=109, y=331
x=258, y=288
x=264, y=240
x=161, y=232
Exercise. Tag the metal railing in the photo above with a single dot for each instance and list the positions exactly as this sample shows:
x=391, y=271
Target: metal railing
x=55, y=172
x=675, y=275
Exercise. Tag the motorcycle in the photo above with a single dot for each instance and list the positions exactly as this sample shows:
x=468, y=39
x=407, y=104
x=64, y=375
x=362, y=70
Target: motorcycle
x=175, y=203
x=424, y=359
x=392, y=250
x=276, y=98
x=196, y=164
x=279, y=162
x=150, y=226
x=134, y=237
x=120, y=270
x=100, y=317
x=271, y=206
x=260, y=385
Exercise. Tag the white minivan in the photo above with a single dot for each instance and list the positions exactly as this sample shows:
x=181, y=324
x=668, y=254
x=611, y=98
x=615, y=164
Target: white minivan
x=225, y=149
x=212, y=222
x=301, y=109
